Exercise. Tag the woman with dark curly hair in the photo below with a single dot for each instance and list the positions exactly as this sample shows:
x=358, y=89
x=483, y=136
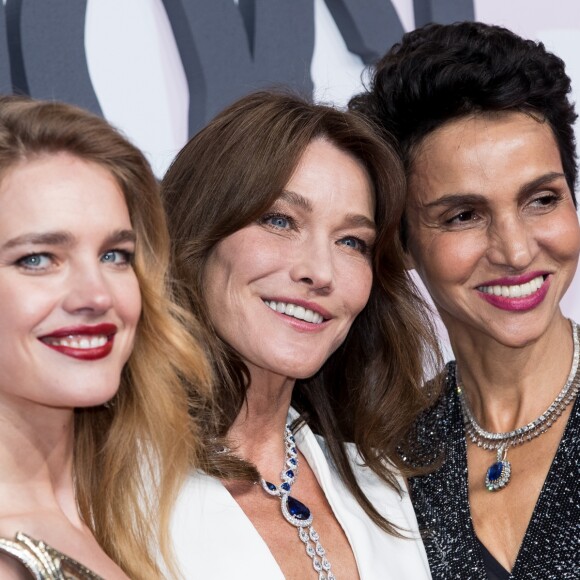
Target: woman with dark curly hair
x=485, y=126
x=284, y=217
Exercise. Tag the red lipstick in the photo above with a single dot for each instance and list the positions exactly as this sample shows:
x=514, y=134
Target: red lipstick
x=82, y=342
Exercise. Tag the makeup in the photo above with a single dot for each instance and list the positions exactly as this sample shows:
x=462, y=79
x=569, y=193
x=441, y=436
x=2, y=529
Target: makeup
x=303, y=315
x=82, y=342
x=516, y=293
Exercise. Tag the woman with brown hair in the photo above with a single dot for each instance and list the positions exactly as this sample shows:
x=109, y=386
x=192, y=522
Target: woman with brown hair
x=92, y=352
x=284, y=221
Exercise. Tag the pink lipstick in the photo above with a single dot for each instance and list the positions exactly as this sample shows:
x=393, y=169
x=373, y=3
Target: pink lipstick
x=300, y=314
x=516, y=293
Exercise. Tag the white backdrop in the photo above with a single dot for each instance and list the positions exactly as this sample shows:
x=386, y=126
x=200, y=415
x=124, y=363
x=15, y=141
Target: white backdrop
x=140, y=83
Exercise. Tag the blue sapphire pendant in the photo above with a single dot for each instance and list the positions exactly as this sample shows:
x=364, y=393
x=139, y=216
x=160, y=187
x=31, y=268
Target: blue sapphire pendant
x=295, y=512
x=498, y=474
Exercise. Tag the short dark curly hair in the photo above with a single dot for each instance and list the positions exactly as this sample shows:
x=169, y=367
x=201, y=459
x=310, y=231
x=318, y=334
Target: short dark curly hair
x=441, y=72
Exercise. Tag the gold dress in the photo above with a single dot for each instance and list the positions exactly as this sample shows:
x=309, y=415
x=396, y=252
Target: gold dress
x=44, y=562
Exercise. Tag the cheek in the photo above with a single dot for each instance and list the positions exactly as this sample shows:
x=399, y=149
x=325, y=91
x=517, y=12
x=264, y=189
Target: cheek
x=223, y=281
x=564, y=238
x=447, y=258
x=25, y=307
x=129, y=301
x=357, y=287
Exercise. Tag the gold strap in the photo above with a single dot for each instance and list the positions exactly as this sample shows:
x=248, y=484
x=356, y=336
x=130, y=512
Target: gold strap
x=44, y=562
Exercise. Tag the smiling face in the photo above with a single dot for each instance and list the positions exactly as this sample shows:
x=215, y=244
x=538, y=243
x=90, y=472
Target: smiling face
x=69, y=298
x=493, y=231
x=284, y=291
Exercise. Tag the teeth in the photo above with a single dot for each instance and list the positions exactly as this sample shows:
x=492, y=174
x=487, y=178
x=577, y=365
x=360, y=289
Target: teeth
x=295, y=311
x=516, y=290
x=80, y=342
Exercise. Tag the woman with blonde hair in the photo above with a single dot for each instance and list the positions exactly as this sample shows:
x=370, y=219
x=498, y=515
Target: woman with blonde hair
x=95, y=436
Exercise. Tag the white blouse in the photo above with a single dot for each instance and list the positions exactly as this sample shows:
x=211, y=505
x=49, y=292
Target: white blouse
x=214, y=539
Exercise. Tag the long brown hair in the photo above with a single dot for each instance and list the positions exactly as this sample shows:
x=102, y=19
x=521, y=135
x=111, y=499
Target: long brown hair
x=131, y=456
x=370, y=390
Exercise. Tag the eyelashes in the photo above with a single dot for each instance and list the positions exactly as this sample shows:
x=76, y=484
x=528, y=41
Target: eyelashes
x=356, y=244
x=44, y=261
x=278, y=221
x=467, y=216
x=462, y=217
x=281, y=222
x=118, y=257
x=35, y=261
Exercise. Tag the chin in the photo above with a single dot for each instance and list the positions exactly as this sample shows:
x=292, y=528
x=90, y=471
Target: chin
x=297, y=370
x=89, y=402
x=521, y=332
x=95, y=395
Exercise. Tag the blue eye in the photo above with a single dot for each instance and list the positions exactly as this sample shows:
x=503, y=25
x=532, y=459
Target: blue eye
x=356, y=244
x=277, y=221
x=35, y=261
x=117, y=257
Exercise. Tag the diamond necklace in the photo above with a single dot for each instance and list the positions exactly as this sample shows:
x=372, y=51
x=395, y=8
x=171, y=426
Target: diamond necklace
x=499, y=473
x=295, y=512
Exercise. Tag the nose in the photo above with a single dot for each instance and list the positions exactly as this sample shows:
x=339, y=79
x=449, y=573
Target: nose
x=87, y=290
x=510, y=243
x=312, y=264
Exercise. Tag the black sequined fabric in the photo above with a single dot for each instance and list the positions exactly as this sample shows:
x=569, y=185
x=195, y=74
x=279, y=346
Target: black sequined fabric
x=551, y=545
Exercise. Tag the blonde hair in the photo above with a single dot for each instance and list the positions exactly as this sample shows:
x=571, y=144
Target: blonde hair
x=130, y=457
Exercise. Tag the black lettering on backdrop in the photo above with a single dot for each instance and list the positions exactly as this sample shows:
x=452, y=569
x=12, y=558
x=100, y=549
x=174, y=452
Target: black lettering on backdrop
x=369, y=28
x=47, y=51
x=228, y=50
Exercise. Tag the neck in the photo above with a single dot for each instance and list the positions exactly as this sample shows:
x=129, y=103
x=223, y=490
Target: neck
x=258, y=430
x=507, y=387
x=36, y=454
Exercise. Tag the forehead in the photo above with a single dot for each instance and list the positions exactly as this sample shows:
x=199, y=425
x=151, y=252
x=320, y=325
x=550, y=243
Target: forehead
x=483, y=153
x=331, y=178
x=60, y=190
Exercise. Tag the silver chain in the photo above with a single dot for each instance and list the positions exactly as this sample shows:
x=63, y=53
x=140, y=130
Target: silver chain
x=295, y=512
x=489, y=440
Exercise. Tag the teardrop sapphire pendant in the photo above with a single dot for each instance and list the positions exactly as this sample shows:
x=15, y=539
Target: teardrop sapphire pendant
x=499, y=473
x=296, y=513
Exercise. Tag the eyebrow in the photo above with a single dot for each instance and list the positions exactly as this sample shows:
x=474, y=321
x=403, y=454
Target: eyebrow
x=63, y=238
x=539, y=182
x=355, y=220
x=296, y=199
x=454, y=199
x=121, y=236
x=351, y=220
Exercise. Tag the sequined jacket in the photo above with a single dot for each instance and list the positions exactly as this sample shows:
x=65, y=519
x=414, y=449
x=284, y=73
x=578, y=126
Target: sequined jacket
x=551, y=546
